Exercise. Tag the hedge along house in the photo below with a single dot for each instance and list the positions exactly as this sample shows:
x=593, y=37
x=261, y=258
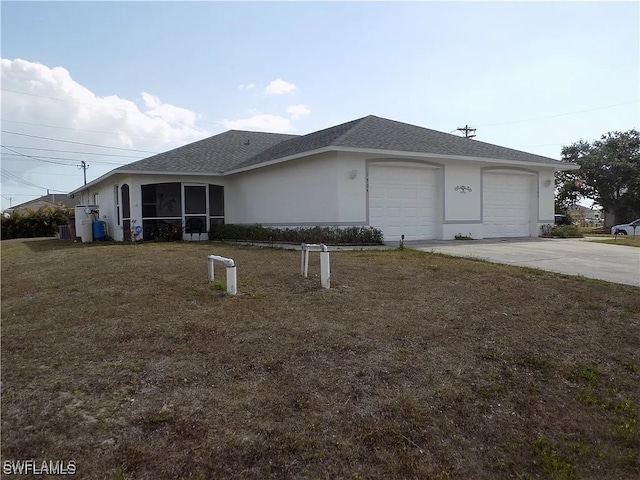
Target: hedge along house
x=404, y=179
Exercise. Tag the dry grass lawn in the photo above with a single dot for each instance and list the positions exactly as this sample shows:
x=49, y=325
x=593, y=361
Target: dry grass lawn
x=413, y=365
x=630, y=241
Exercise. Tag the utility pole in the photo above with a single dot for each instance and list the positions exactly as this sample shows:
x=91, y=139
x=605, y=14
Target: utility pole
x=83, y=166
x=467, y=129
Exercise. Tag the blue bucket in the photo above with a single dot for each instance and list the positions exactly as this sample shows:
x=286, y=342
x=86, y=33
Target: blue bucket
x=98, y=230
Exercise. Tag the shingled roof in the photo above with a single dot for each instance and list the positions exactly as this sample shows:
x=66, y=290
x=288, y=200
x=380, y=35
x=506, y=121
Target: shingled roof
x=237, y=149
x=61, y=199
x=211, y=155
x=377, y=133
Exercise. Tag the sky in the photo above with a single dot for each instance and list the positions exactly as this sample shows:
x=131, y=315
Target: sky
x=109, y=83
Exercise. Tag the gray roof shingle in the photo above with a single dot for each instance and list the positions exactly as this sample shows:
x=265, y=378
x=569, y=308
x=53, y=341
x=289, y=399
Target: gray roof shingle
x=373, y=132
x=62, y=199
x=211, y=155
x=237, y=149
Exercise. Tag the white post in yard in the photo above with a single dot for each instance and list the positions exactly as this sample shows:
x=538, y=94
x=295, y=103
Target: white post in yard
x=210, y=268
x=324, y=261
x=232, y=282
x=306, y=263
x=232, y=285
x=325, y=273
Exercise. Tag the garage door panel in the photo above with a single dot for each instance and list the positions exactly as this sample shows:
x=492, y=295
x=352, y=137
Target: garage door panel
x=402, y=202
x=506, y=205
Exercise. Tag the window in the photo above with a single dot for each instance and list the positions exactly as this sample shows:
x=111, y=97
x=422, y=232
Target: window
x=161, y=210
x=216, y=201
x=116, y=199
x=161, y=200
x=216, y=206
x=126, y=212
x=96, y=199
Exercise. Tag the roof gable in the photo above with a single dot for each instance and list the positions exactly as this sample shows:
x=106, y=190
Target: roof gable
x=382, y=134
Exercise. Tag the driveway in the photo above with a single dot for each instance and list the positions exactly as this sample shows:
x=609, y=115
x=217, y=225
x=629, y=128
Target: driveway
x=614, y=263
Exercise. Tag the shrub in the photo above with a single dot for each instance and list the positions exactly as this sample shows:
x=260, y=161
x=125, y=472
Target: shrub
x=334, y=235
x=561, y=231
x=460, y=236
x=164, y=232
x=34, y=223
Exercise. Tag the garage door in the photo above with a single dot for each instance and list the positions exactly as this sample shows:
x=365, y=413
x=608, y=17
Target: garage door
x=506, y=205
x=402, y=201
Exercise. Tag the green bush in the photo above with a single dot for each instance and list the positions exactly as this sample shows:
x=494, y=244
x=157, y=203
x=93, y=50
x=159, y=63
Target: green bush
x=333, y=235
x=164, y=232
x=34, y=223
x=561, y=231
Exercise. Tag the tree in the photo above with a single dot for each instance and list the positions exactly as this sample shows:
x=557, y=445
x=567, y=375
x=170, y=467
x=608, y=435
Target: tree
x=609, y=174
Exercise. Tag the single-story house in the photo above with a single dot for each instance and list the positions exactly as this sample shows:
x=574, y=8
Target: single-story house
x=50, y=200
x=584, y=215
x=401, y=178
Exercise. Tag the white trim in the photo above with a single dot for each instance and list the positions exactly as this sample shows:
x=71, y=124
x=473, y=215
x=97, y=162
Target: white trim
x=369, y=151
x=398, y=153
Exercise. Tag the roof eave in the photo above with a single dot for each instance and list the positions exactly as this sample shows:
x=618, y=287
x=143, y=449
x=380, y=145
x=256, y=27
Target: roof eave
x=397, y=153
x=142, y=172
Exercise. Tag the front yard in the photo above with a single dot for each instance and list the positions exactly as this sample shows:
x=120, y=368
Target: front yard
x=628, y=240
x=413, y=365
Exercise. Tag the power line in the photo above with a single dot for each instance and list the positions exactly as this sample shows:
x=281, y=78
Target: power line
x=77, y=143
x=20, y=180
x=559, y=114
x=48, y=173
x=92, y=131
x=73, y=160
x=29, y=156
x=67, y=100
x=75, y=151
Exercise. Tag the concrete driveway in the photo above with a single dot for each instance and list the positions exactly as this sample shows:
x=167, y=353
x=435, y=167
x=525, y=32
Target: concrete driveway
x=614, y=263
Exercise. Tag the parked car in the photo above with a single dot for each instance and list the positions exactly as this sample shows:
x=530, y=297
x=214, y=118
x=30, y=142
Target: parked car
x=562, y=220
x=632, y=228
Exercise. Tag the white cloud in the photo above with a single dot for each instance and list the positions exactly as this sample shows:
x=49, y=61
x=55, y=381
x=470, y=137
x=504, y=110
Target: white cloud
x=52, y=104
x=150, y=101
x=279, y=86
x=264, y=122
x=298, y=110
x=246, y=87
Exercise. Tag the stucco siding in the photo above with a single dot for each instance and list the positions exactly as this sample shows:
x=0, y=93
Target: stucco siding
x=300, y=192
x=462, y=193
x=352, y=189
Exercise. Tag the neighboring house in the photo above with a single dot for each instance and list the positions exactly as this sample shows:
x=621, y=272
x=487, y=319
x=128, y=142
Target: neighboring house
x=50, y=200
x=585, y=216
x=404, y=179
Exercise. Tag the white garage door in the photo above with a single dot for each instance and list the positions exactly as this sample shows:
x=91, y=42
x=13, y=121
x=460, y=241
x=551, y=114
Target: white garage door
x=402, y=201
x=506, y=205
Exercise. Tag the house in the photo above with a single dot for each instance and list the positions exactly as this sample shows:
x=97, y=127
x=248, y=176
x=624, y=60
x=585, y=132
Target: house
x=585, y=216
x=404, y=179
x=49, y=200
